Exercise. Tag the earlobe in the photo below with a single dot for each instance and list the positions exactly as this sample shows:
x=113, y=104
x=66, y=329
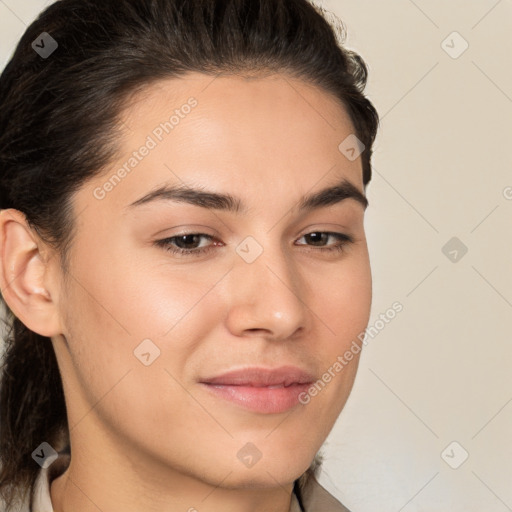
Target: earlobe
x=22, y=275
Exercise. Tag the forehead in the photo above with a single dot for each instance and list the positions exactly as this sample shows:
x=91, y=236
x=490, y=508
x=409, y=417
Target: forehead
x=271, y=108
x=277, y=90
x=238, y=133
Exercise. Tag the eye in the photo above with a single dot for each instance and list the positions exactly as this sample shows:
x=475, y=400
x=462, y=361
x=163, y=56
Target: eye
x=319, y=237
x=189, y=244
x=186, y=244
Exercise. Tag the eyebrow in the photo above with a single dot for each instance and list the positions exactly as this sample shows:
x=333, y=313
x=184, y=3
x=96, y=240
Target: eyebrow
x=226, y=202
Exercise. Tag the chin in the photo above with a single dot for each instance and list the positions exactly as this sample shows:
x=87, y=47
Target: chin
x=270, y=473
x=264, y=478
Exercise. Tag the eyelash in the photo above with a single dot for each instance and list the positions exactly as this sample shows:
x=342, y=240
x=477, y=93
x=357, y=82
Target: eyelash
x=166, y=243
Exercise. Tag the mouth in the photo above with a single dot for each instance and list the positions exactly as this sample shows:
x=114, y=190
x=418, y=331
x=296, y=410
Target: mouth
x=266, y=391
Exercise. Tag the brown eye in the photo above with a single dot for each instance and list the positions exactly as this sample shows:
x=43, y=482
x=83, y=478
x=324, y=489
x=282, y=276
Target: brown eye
x=320, y=238
x=186, y=244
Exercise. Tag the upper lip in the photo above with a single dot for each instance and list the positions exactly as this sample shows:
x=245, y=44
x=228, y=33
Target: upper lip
x=262, y=377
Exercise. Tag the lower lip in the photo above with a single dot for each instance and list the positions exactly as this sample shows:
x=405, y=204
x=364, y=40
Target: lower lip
x=264, y=400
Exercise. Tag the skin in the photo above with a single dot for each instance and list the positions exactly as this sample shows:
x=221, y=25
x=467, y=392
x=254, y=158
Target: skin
x=150, y=437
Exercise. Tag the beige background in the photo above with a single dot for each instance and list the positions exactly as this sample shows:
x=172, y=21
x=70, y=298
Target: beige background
x=439, y=372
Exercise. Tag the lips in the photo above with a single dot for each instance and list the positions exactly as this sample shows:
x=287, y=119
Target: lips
x=260, y=390
x=261, y=377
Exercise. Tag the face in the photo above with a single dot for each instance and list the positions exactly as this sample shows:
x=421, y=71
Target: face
x=167, y=291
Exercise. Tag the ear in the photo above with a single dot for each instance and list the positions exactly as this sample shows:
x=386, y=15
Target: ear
x=24, y=275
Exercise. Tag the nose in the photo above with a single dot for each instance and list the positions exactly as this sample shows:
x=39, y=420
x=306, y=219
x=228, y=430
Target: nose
x=267, y=298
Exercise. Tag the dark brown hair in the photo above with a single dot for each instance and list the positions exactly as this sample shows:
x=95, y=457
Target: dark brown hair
x=59, y=127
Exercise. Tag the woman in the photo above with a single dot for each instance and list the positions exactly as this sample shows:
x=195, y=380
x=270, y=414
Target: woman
x=183, y=256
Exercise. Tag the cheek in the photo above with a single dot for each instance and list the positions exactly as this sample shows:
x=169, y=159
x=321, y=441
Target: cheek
x=343, y=310
x=106, y=374
x=120, y=307
x=135, y=298
x=345, y=301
